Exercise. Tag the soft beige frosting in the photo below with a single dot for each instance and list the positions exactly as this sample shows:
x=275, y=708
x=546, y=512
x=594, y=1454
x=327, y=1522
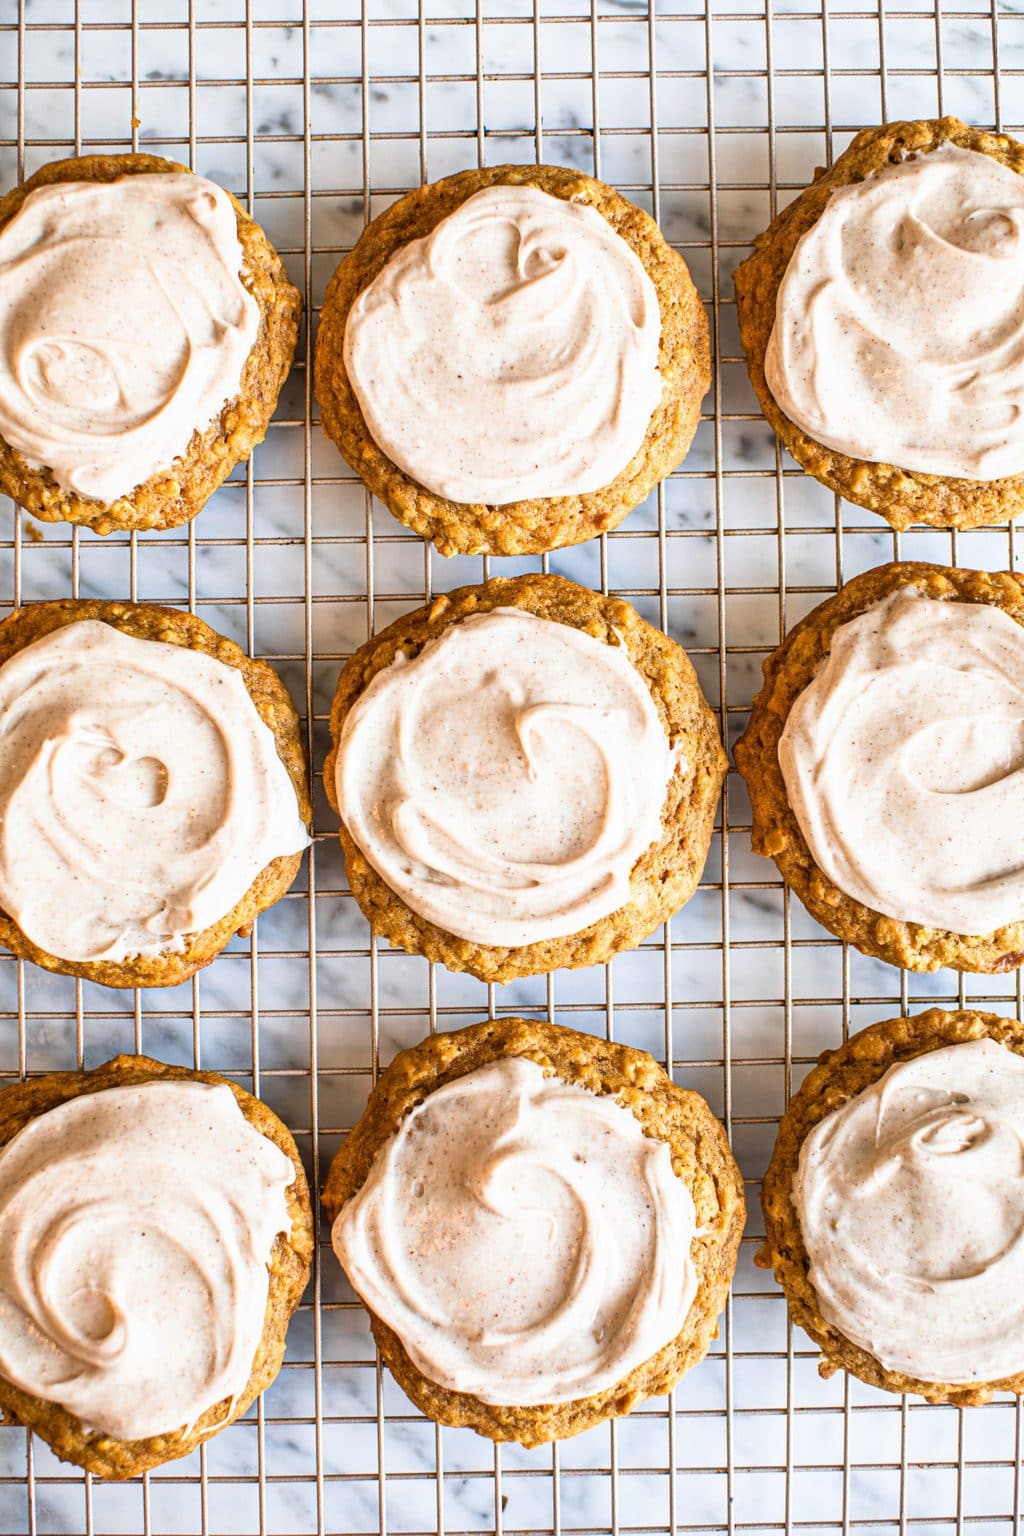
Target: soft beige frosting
x=904, y=762
x=136, y=1226
x=911, y=1203
x=505, y=782
x=899, y=324
x=523, y=1237
x=124, y=326
x=140, y=793
x=511, y=353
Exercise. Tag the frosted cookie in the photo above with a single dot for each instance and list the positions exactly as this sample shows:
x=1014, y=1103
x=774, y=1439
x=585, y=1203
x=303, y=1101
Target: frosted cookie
x=881, y=316
x=146, y=328
x=511, y=359
x=153, y=794
x=156, y=1236
x=527, y=775
x=542, y=1226
x=894, y=1206
x=885, y=763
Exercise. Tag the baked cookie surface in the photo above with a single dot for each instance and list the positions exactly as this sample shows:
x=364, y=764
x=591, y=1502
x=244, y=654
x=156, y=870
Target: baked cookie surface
x=839, y=1076
x=903, y=497
x=174, y=495
x=535, y=525
x=146, y=621
x=289, y=1270
x=776, y=832
x=701, y=1157
x=663, y=878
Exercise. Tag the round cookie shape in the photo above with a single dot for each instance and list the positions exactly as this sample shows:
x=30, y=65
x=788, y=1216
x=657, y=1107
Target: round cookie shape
x=701, y=1158
x=275, y=709
x=902, y=496
x=663, y=878
x=776, y=832
x=536, y=524
x=840, y=1076
x=172, y=495
x=288, y=1267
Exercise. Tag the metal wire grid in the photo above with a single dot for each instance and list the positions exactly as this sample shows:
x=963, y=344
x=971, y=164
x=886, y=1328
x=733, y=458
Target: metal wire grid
x=712, y=117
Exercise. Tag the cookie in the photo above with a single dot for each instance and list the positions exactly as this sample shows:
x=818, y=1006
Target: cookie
x=289, y=1262
x=148, y=622
x=902, y=496
x=664, y=875
x=853, y=1069
x=700, y=1158
x=175, y=492
x=776, y=832
x=537, y=522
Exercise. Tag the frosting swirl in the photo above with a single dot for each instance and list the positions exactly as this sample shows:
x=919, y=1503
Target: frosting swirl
x=511, y=353
x=523, y=1237
x=899, y=323
x=136, y=1226
x=505, y=782
x=904, y=762
x=911, y=1203
x=136, y=810
x=124, y=325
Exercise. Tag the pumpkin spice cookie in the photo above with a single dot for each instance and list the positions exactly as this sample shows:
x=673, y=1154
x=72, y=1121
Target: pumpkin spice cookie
x=531, y=1283
x=884, y=759
x=527, y=775
x=146, y=328
x=894, y=1208
x=182, y=1199
x=511, y=359
x=153, y=795
x=881, y=318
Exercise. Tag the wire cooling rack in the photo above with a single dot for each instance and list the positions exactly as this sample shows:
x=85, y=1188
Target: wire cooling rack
x=317, y=118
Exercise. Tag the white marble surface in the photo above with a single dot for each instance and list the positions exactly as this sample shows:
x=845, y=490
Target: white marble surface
x=705, y=559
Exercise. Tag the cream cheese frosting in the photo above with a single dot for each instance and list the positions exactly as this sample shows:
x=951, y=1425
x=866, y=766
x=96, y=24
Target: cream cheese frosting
x=904, y=762
x=511, y=353
x=124, y=326
x=136, y=1227
x=911, y=1204
x=140, y=793
x=899, y=324
x=523, y=1237
x=505, y=782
